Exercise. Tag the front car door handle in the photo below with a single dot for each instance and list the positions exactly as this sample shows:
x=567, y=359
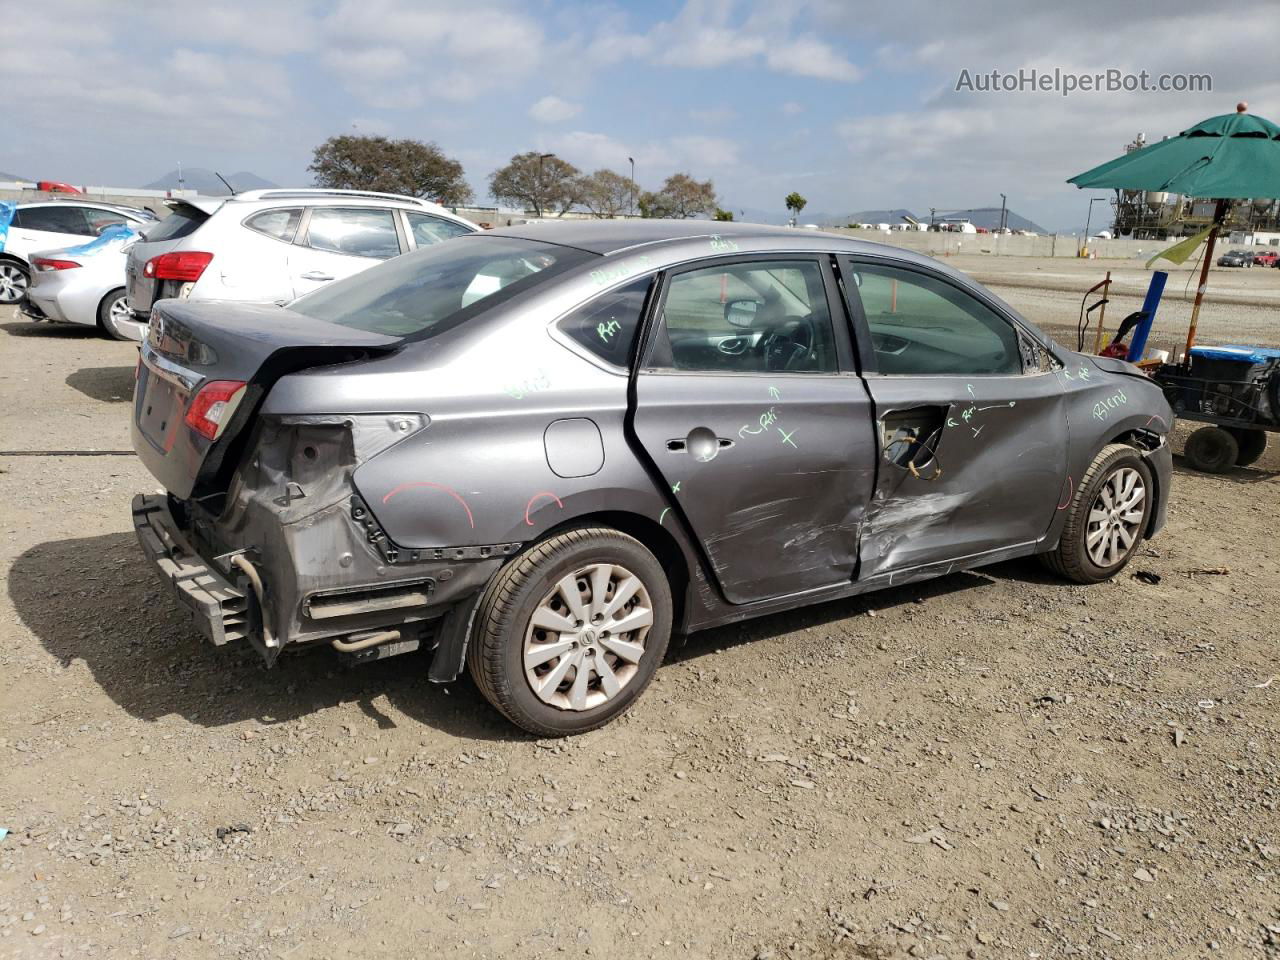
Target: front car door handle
x=316, y=275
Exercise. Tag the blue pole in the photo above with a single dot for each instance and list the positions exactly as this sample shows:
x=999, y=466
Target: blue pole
x=1139, y=342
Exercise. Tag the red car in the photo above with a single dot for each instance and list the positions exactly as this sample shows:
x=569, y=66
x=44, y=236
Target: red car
x=1267, y=259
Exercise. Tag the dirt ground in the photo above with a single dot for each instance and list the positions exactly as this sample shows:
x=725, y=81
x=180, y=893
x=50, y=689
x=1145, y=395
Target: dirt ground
x=993, y=764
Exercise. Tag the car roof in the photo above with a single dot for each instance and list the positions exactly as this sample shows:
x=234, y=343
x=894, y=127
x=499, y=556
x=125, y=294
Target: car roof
x=612, y=236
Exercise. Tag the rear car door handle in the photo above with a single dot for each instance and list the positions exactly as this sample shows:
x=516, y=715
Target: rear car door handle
x=316, y=275
x=701, y=444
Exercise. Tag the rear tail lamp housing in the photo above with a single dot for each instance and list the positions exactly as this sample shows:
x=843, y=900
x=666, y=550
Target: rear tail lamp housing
x=183, y=265
x=51, y=263
x=213, y=406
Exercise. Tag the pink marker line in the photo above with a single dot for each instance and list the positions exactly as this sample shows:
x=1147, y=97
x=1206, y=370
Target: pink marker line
x=1071, y=492
x=529, y=506
x=438, y=486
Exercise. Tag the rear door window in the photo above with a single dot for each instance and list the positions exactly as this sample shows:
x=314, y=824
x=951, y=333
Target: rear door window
x=355, y=231
x=426, y=229
x=53, y=219
x=279, y=224
x=607, y=325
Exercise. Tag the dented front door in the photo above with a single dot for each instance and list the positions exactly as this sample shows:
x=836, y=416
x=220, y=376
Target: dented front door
x=970, y=422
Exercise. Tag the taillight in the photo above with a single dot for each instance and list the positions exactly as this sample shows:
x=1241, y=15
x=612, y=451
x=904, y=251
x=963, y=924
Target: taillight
x=47, y=263
x=213, y=406
x=184, y=265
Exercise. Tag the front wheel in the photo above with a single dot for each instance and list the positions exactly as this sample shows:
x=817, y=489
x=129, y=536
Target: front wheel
x=568, y=635
x=1106, y=517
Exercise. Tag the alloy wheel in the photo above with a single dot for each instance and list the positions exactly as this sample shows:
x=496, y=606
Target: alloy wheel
x=13, y=283
x=1115, y=517
x=586, y=638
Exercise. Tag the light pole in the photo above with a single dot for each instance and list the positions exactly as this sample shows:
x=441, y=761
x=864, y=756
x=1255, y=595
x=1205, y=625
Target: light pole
x=1087, y=220
x=1002, y=211
x=537, y=200
x=632, y=161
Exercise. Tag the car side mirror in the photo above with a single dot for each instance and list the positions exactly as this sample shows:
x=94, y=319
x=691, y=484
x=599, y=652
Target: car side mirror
x=741, y=313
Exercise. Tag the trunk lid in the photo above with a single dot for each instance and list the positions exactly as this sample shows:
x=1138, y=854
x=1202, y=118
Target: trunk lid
x=193, y=345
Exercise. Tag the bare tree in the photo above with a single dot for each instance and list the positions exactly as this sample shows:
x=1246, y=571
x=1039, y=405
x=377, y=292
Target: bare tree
x=605, y=193
x=681, y=197
x=538, y=180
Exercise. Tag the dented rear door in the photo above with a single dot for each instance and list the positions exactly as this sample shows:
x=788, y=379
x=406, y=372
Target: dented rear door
x=768, y=454
x=970, y=420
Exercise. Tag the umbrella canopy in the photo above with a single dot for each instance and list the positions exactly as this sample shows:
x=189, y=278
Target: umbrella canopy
x=1232, y=156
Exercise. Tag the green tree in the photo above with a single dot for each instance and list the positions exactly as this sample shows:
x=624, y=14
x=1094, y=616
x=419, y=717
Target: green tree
x=607, y=194
x=409, y=167
x=795, y=203
x=535, y=180
x=681, y=197
x=722, y=214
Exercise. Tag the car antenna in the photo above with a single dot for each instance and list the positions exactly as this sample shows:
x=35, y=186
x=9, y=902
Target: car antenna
x=224, y=182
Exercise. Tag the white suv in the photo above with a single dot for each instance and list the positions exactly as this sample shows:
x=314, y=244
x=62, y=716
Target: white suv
x=272, y=246
x=52, y=225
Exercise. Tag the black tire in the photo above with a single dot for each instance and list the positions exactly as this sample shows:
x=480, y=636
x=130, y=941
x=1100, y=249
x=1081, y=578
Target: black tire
x=495, y=654
x=1070, y=559
x=106, y=321
x=1212, y=450
x=1252, y=444
x=15, y=278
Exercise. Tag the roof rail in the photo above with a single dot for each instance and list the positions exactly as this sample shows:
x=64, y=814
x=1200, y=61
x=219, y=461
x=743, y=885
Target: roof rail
x=303, y=193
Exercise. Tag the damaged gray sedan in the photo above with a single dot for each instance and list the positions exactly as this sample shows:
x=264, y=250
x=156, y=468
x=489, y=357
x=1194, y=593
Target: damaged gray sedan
x=540, y=451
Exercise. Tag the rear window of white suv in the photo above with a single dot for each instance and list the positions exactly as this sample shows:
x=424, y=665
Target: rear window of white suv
x=182, y=222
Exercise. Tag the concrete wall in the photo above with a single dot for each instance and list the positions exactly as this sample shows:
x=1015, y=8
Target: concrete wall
x=1007, y=245
x=152, y=200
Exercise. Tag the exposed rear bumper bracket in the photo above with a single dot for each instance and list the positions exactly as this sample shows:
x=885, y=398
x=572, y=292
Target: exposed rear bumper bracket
x=219, y=609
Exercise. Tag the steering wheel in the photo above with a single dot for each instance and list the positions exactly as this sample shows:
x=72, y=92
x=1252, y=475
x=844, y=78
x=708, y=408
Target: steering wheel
x=789, y=345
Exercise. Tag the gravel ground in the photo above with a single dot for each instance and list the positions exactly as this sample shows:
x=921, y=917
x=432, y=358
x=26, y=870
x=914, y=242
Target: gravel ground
x=993, y=764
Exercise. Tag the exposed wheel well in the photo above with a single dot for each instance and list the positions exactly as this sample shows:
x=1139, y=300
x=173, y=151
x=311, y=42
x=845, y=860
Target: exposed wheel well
x=15, y=259
x=657, y=539
x=1144, y=441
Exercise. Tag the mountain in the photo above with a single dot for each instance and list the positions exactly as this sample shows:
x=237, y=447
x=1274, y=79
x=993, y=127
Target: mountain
x=207, y=183
x=10, y=177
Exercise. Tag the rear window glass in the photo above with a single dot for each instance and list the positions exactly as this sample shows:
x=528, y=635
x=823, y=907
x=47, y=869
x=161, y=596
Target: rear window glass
x=607, y=325
x=433, y=289
x=182, y=222
x=281, y=224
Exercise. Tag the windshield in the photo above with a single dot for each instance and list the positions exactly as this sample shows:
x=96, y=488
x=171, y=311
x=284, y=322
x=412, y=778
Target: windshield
x=430, y=290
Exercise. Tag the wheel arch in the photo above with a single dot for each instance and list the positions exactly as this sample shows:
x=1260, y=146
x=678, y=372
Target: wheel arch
x=14, y=258
x=661, y=542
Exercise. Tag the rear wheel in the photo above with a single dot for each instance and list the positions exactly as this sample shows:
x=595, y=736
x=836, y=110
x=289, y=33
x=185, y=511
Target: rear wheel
x=1212, y=449
x=568, y=635
x=115, y=319
x=1252, y=444
x=14, y=280
x=1106, y=517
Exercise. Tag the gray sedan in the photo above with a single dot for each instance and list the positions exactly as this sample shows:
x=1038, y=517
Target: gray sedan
x=540, y=451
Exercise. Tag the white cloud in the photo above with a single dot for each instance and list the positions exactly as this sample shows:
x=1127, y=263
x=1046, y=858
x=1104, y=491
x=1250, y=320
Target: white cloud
x=551, y=109
x=792, y=108
x=655, y=159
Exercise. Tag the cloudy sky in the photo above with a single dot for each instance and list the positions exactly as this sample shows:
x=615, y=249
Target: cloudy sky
x=852, y=104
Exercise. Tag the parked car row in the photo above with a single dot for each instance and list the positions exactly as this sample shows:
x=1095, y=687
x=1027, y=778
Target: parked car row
x=266, y=246
x=1249, y=258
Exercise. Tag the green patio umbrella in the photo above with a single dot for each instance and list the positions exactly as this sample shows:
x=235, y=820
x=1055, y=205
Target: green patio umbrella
x=1224, y=158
